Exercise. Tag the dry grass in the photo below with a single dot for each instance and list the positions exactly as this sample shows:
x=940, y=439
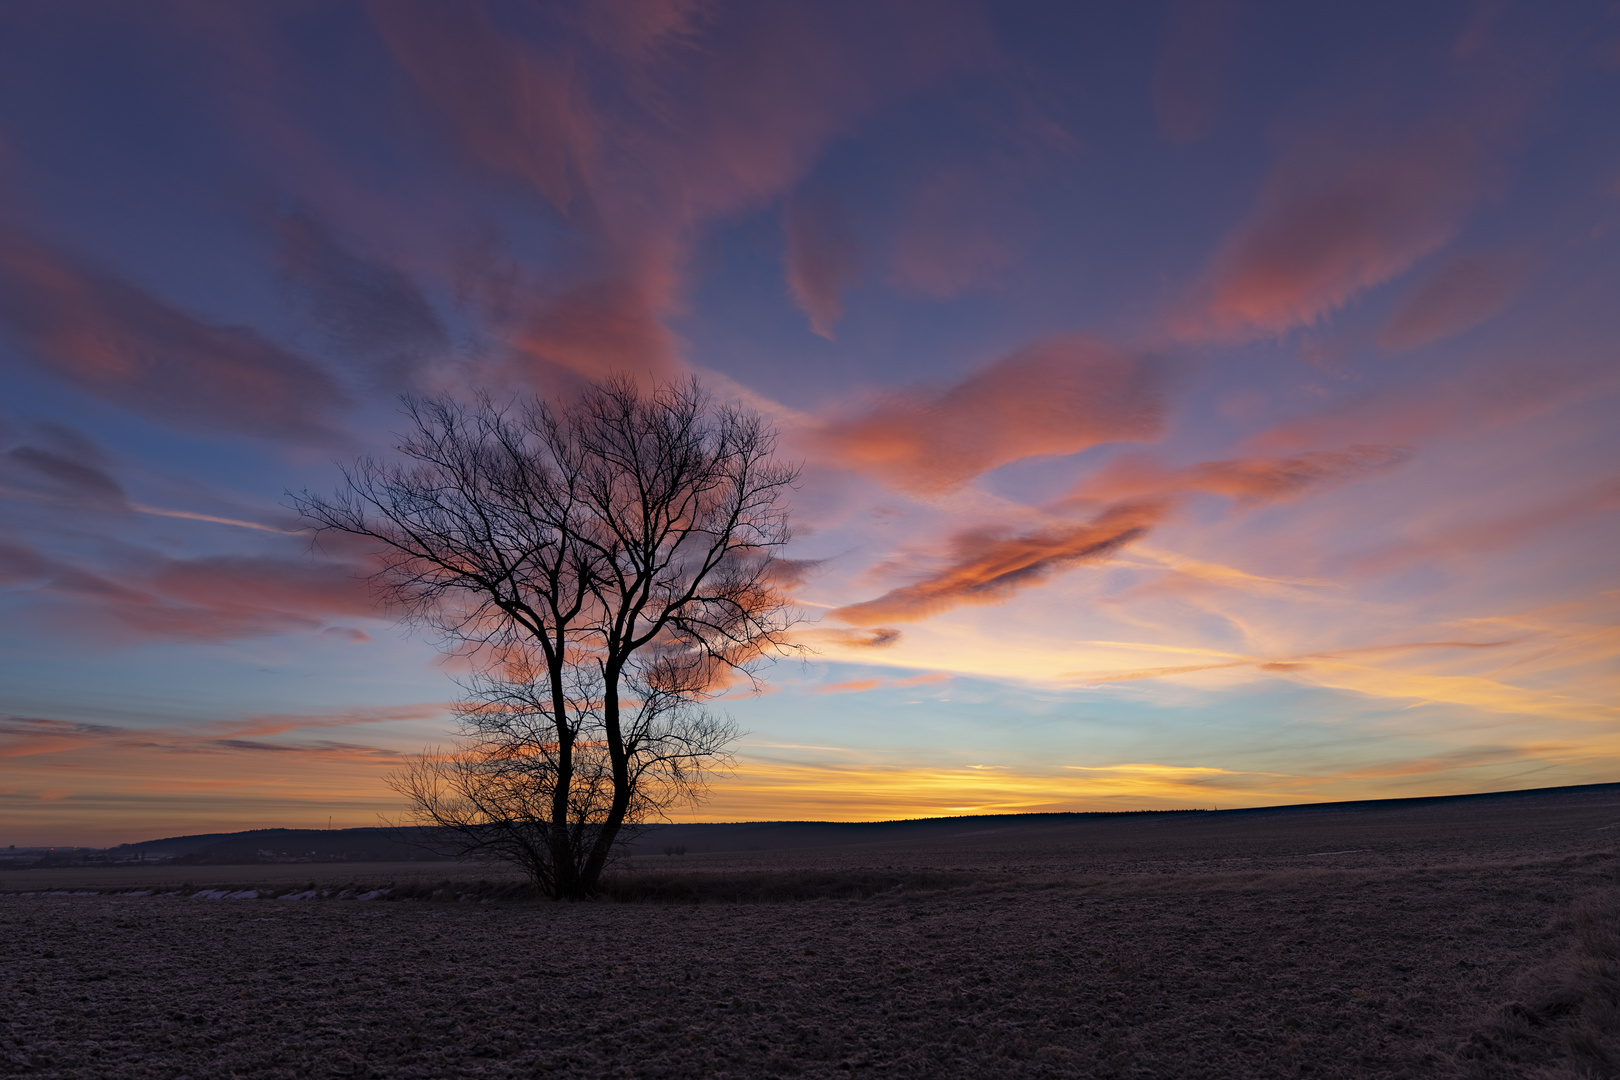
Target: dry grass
x=1567, y=1023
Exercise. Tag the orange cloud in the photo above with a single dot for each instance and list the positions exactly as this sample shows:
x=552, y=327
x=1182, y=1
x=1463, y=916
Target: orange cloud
x=986, y=568
x=856, y=686
x=857, y=789
x=1280, y=666
x=1057, y=396
x=1461, y=294
x=876, y=637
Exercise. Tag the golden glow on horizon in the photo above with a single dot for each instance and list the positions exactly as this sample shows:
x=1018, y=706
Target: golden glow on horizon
x=102, y=794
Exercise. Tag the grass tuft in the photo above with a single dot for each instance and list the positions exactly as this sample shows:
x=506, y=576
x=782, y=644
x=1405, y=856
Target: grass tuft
x=1568, y=1024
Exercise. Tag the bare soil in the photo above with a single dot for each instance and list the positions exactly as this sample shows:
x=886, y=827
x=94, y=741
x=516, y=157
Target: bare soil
x=1476, y=940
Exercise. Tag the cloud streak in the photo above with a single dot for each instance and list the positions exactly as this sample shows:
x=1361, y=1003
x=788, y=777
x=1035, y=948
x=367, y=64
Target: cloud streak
x=213, y=598
x=986, y=568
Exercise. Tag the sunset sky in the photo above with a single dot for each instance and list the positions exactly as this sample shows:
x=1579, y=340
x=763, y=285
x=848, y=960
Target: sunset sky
x=1201, y=404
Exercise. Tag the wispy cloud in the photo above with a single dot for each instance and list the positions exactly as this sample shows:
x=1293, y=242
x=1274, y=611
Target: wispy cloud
x=1357, y=198
x=859, y=686
x=22, y=736
x=985, y=568
x=1057, y=396
x=1248, y=480
x=640, y=122
x=823, y=257
x=116, y=341
x=214, y=598
x=1460, y=294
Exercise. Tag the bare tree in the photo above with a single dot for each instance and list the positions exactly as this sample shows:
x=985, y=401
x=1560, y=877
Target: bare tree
x=611, y=561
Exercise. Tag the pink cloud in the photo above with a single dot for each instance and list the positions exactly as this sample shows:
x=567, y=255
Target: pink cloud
x=823, y=258
x=34, y=736
x=1249, y=480
x=1282, y=666
x=1189, y=80
x=1334, y=220
x=1057, y=396
x=508, y=104
x=1488, y=398
x=219, y=598
x=857, y=686
x=949, y=240
x=641, y=120
x=1357, y=199
x=1501, y=532
x=1460, y=294
x=120, y=343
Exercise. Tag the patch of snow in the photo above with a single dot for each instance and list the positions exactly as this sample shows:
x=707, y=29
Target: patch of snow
x=372, y=895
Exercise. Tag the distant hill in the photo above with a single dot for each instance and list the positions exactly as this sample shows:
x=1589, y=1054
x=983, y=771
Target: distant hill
x=285, y=845
x=390, y=845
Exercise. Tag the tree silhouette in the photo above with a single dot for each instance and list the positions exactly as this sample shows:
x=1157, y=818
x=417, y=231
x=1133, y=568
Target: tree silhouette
x=610, y=562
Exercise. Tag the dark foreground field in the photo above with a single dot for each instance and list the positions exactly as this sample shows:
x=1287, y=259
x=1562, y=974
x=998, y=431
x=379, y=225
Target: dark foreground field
x=1474, y=938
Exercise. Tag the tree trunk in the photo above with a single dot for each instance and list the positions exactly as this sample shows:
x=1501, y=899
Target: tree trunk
x=563, y=866
x=603, y=847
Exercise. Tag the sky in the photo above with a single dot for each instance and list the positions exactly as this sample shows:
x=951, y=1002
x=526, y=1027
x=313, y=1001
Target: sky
x=1200, y=404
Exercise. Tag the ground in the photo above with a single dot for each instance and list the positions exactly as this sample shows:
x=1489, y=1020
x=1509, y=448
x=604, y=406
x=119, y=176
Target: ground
x=1469, y=941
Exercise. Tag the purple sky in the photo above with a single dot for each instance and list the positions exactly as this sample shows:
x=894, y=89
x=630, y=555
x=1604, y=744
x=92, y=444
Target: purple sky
x=1205, y=403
